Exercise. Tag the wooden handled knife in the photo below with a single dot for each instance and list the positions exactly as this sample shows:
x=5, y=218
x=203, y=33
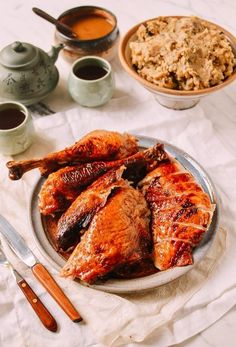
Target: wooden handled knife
x=42, y=312
x=20, y=248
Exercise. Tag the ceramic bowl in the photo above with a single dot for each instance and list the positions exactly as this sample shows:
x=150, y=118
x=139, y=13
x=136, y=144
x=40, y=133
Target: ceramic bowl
x=16, y=139
x=171, y=98
x=91, y=93
x=104, y=46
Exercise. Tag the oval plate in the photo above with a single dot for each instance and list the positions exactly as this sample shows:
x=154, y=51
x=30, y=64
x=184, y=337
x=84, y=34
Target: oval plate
x=143, y=283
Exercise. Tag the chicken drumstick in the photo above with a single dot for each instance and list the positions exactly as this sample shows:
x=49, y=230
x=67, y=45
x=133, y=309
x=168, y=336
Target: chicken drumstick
x=97, y=145
x=63, y=186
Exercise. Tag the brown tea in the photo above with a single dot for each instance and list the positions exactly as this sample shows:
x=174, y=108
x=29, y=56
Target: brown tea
x=90, y=72
x=11, y=118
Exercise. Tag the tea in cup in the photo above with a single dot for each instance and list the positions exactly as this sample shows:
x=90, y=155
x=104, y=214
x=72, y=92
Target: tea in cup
x=16, y=128
x=91, y=81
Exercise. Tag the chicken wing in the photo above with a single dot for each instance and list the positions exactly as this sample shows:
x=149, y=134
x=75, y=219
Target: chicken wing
x=63, y=186
x=97, y=145
x=180, y=214
x=118, y=235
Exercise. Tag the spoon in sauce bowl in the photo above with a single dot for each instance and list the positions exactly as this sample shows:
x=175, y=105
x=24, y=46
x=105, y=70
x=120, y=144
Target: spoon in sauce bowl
x=63, y=27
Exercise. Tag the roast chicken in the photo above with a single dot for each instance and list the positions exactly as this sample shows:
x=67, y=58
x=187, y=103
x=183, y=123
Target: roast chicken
x=180, y=214
x=113, y=223
x=118, y=235
x=62, y=187
x=97, y=145
x=88, y=203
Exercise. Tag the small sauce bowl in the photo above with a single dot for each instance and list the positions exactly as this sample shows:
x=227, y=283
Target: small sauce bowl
x=104, y=46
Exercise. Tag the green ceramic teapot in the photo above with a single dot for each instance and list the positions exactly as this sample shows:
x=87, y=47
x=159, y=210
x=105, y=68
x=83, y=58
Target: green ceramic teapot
x=27, y=73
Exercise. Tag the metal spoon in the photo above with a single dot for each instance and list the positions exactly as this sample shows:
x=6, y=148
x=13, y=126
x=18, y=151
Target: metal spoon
x=63, y=27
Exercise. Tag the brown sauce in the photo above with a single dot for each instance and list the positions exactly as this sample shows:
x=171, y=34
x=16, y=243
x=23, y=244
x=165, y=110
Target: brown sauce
x=11, y=118
x=90, y=27
x=90, y=72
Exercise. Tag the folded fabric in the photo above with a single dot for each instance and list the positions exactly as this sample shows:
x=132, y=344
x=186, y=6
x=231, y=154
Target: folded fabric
x=166, y=315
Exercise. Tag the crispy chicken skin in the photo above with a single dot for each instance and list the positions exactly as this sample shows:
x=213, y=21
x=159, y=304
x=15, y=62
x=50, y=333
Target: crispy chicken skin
x=118, y=234
x=97, y=145
x=62, y=187
x=88, y=203
x=115, y=211
x=180, y=214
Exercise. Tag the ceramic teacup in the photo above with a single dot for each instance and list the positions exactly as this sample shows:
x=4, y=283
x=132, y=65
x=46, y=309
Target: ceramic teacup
x=16, y=128
x=91, y=81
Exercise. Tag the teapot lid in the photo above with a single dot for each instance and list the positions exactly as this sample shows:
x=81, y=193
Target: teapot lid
x=18, y=54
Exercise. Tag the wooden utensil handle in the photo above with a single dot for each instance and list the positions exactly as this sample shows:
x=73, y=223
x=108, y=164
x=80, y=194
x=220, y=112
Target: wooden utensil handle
x=44, y=15
x=39, y=308
x=55, y=21
x=45, y=278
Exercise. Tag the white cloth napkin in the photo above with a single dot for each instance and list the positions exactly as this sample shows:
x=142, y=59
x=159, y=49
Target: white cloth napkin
x=161, y=317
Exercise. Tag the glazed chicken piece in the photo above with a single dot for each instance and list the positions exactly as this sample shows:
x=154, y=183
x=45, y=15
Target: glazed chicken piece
x=117, y=236
x=141, y=268
x=81, y=211
x=181, y=213
x=89, y=202
x=63, y=186
x=97, y=145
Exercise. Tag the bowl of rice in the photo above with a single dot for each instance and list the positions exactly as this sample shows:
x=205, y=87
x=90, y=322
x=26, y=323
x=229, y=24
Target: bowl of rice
x=179, y=58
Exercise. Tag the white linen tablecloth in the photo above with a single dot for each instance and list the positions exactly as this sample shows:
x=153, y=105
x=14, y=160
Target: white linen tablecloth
x=174, y=312
x=164, y=316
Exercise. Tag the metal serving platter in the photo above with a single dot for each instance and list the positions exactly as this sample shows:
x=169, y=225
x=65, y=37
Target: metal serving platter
x=147, y=282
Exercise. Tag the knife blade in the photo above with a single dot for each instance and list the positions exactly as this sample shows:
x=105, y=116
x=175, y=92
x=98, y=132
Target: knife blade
x=42, y=312
x=20, y=248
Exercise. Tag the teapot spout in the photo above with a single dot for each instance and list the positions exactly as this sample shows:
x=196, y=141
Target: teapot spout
x=53, y=54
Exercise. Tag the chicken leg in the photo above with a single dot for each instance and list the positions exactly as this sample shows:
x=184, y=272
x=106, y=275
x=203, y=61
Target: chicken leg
x=63, y=186
x=97, y=145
